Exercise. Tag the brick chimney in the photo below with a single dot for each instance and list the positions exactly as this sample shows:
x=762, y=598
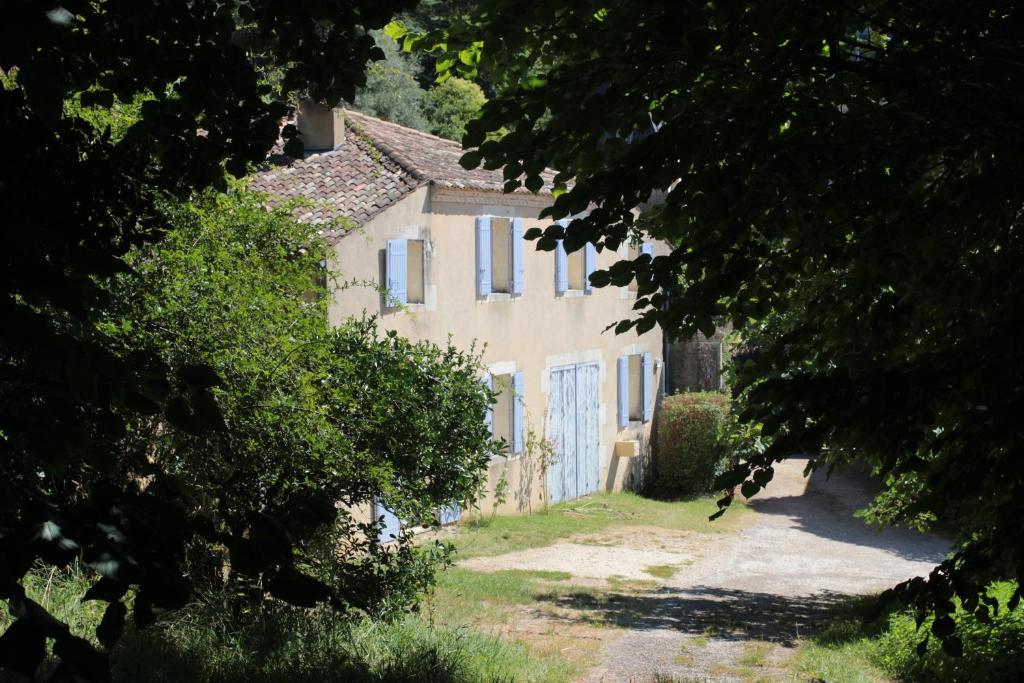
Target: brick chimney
x=322, y=128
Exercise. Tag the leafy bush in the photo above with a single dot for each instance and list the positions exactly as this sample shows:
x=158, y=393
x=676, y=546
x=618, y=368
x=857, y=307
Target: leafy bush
x=992, y=651
x=309, y=411
x=851, y=650
x=200, y=644
x=692, y=445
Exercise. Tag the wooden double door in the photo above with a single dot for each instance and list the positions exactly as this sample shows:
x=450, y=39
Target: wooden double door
x=574, y=431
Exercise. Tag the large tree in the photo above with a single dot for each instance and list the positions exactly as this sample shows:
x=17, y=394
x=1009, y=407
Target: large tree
x=211, y=80
x=841, y=180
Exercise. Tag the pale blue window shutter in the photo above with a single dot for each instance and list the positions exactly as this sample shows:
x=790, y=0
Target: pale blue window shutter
x=391, y=525
x=589, y=266
x=397, y=272
x=518, y=263
x=647, y=248
x=561, y=269
x=647, y=365
x=623, y=372
x=518, y=413
x=483, y=255
x=449, y=514
x=488, y=381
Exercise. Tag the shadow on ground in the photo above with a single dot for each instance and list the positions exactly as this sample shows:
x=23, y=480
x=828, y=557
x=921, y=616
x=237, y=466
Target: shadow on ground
x=720, y=613
x=826, y=509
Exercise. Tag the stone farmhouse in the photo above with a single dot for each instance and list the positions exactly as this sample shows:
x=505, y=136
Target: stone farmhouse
x=436, y=251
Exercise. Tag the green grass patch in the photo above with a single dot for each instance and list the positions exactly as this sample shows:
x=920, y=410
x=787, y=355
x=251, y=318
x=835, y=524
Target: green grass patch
x=661, y=571
x=200, y=645
x=850, y=652
x=621, y=583
x=755, y=654
x=500, y=534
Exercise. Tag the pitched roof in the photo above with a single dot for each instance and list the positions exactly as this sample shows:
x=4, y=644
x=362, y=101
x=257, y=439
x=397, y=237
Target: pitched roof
x=378, y=164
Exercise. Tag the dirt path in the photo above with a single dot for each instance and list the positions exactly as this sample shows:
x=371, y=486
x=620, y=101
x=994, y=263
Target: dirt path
x=718, y=607
x=747, y=601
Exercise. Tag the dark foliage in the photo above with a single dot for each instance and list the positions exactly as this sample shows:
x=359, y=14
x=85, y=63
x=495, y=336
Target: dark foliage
x=74, y=200
x=842, y=182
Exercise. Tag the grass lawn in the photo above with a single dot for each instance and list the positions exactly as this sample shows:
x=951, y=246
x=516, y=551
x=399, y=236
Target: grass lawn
x=497, y=535
x=541, y=626
x=560, y=620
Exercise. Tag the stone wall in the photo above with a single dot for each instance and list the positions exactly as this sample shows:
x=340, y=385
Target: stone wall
x=696, y=364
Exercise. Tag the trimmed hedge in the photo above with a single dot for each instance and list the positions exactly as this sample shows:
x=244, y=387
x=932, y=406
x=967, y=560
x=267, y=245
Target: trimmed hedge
x=690, y=449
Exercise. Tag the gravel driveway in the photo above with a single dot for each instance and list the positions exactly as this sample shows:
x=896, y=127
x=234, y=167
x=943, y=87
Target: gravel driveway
x=770, y=582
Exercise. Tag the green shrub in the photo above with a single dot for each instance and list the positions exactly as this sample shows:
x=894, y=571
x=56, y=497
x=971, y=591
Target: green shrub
x=849, y=650
x=992, y=652
x=691, y=447
x=203, y=644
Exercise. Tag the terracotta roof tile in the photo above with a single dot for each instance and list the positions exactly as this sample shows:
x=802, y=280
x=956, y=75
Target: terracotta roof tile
x=378, y=164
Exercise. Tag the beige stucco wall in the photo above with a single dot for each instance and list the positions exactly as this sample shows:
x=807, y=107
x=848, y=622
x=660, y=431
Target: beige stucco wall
x=531, y=333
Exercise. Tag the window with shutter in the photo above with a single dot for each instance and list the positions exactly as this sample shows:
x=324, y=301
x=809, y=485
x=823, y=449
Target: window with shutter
x=503, y=417
x=589, y=266
x=488, y=382
x=483, y=256
x=405, y=272
x=518, y=260
x=396, y=268
x=414, y=272
x=632, y=252
x=636, y=388
x=518, y=414
x=561, y=269
x=647, y=390
x=622, y=371
x=501, y=255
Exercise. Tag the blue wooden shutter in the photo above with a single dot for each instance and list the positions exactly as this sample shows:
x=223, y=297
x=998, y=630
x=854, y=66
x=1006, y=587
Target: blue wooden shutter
x=647, y=248
x=483, y=255
x=518, y=264
x=623, y=372
x=561, y=269
x=589, y=266
x=397, y=272
x=449, y=514
x=392, y=526
x=488, y=381
x=518, y=413
x=647, y=364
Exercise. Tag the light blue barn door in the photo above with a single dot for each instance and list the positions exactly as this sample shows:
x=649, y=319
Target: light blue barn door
x=588, y=428
x=573, y=431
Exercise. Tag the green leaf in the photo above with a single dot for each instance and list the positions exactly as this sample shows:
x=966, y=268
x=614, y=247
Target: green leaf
x=22, y=647
x=943, y=626
x=953, y=646
x=108, y=632
x=106, y=589
x=199, y=376
x=470, y=160
x=297, y=589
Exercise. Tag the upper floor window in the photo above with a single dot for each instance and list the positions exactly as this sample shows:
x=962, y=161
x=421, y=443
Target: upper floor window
x=405, y=272
x=633, y=252
x=572, y=271
x=500, y=266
